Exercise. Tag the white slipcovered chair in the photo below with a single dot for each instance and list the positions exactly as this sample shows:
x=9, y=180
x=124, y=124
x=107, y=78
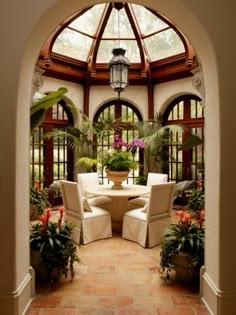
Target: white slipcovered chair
x=152, y=178
x=88, y=179
x=89, y=225
x=145, y=225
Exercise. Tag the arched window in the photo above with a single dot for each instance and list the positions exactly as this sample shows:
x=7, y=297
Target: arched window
x=188, y=164
x=125, y=113
x=51, y=159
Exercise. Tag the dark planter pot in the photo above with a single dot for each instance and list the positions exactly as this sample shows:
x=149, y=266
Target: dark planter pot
x=41, y=272
x=184, y=268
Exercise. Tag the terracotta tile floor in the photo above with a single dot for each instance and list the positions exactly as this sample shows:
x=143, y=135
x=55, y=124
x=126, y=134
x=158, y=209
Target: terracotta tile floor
x=117, y=277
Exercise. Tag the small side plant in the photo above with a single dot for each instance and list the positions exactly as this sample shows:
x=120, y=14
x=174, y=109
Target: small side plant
x=186, y=236
x=195, y=198
x=56, y=249
x=38, y=200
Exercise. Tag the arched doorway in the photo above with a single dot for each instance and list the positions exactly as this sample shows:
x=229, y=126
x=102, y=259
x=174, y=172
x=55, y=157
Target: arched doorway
x=35, y=37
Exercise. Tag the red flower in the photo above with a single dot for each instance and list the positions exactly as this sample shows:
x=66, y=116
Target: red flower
x=201, y=217
x=36, y=184
x=61, y=212
x=198, y=183
x=180, y=213
x=187, y=217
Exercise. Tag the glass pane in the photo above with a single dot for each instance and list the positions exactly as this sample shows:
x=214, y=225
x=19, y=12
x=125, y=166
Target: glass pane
x=148, y=22
x=72, y=44
x=181, y=110
x=106, y=46
x=88, y=22
x=197, y=110
x=177, y=112
x=111, y=29
x=164, y=44
x=58, y=112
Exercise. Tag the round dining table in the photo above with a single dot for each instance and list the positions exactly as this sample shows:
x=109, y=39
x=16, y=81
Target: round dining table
x=119, y=200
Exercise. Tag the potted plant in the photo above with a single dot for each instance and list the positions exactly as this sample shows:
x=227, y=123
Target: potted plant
x=53, y=252
x=38, y=200
x=195, y=197
x=119, y=161
x=182, y=247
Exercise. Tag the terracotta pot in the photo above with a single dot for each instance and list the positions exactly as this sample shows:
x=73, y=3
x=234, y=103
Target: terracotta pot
x=117, y=177
x=184, y=269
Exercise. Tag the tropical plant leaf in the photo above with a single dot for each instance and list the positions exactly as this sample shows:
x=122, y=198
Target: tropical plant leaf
x=191, y=142
x=87, y=161
x=36, y=118
x=48, y=100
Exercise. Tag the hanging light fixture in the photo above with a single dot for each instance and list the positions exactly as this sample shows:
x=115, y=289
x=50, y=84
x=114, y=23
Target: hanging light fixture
x=118, y=64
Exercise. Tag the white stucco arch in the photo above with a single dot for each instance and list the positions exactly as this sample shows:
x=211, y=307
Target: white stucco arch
x=17, y=92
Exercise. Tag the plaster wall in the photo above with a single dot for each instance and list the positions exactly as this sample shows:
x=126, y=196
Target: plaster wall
x=165, y=93
x=75, y=91
x=137, y=95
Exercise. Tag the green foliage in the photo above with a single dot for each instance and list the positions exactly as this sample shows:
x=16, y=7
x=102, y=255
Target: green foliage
x=117, y=160
x=141, y=180
x=39, y=198
x=191, y=142
x=39, y=107
x=53, y=240
x=185, y=236
x=156, y=139
x=195, y=199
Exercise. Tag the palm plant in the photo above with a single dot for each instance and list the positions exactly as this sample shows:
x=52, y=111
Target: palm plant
x=41, y=104
x=156, y=138
x=83, y=139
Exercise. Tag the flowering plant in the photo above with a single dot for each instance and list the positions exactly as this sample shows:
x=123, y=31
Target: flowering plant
x=195, y=197
x=39, y=197
x=120, y=158
x=187, y=235
x=54, y=243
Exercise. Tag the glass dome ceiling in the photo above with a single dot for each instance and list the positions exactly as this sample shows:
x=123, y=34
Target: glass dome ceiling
x=96, y=31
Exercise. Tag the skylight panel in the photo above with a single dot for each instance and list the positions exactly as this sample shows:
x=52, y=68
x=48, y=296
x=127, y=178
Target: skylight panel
x=111, y=29
x=163, y=45
x=106, y=47
x=72, y=44
x=147, y=21
x=88, y=22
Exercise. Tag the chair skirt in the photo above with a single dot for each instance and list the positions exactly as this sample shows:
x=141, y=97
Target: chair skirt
x=155, y=231
x=147, y=234
x=96, y=228
x=135, y=230
x=73, y=218
x=93, y=227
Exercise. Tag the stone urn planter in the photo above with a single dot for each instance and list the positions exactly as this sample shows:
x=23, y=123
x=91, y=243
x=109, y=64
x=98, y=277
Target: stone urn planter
x=117, y=177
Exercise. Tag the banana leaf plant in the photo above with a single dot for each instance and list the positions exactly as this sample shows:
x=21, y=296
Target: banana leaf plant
x=40, y=106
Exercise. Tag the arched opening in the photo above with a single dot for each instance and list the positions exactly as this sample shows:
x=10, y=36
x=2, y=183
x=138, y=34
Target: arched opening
x=204, y=49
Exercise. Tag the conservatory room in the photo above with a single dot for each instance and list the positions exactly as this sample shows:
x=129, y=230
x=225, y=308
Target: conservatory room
x=117, y=166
